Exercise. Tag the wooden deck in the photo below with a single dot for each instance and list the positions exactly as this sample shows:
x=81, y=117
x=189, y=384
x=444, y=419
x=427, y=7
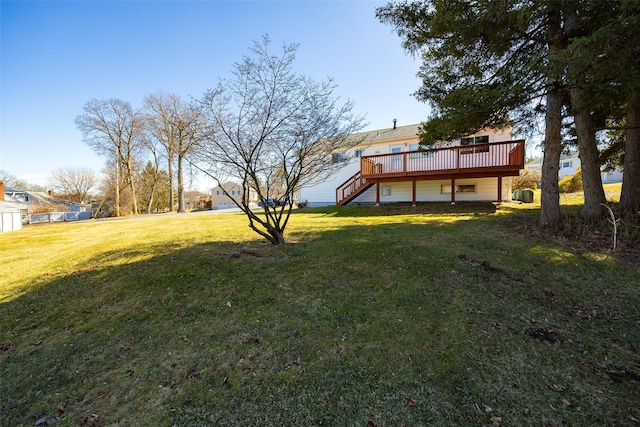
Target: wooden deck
x=496, y=159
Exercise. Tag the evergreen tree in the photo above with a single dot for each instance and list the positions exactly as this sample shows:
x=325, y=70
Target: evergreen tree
x=488, y=64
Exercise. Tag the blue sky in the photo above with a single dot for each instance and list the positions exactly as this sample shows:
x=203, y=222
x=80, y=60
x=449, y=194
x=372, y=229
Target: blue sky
x=55, y=56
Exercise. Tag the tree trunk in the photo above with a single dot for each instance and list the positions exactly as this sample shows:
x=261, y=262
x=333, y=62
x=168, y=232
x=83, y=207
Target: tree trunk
x=132, y=185
x=277, y=236
x=117, y=195
x=550, y=195
x=585, y=130
x=172, y=195
x=630, y=195
x=153, y=192
x=180, y=186
x=589, y=160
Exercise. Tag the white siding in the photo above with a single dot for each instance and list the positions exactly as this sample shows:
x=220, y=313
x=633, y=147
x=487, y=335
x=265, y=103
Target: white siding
x=10, y=221
x=324, y=193
x=431, y=191
x=568, y=167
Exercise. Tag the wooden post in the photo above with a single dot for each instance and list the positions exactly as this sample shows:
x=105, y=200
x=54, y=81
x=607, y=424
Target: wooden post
x=499, y=188
x=377, y=192
x=414, y=193
x=453, y=189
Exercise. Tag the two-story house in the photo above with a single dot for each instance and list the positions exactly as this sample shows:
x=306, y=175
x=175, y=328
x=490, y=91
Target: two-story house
x=569, y=164
x=388, y=167
x=220, y=200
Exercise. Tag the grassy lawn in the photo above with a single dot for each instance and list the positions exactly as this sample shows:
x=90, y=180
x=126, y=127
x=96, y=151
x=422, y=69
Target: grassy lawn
x=389, y=316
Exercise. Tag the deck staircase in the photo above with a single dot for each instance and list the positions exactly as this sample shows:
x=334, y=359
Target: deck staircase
x=351, y=188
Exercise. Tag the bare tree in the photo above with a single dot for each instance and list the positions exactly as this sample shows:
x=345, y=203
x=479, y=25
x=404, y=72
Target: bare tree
x=273, y=131
x=175, y=125
x=10, y=180
x=73, y=183
x=111, y=127
x=150, y=175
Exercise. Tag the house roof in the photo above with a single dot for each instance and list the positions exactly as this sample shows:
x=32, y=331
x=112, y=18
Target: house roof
x=388, y=134
x=564, y=156
x=36, y=196
x=400, y=133
x=12, y=206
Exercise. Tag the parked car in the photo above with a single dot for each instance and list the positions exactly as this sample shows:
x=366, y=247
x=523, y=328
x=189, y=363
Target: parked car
x=272, y=202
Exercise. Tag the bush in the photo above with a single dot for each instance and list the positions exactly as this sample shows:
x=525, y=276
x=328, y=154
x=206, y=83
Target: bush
x=571, y=184
x=529, y=178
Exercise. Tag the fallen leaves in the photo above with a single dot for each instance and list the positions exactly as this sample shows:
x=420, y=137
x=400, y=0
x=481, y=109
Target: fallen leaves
x=194, y=374
x=548, y=335
x=556, y=387
x=410, y=402
x=89, y=420
x=251, y=340
x=46, y=420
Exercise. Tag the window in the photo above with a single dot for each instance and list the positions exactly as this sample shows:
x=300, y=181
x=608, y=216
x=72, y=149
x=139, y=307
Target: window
x=338, y=158
x=567, y=164
x=359, y=153
x=219, y=192
x=235, y=192
x=475, y=140
x=462, y=188
x=466, y=188
x=419, y=154
x=386, y=191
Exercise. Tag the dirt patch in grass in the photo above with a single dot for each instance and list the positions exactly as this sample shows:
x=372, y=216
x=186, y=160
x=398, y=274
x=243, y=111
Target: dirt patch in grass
x=544, y=334
x=619, y=373
x=486, y=266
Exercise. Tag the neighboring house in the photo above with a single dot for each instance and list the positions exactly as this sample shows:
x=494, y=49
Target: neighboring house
x=387, y=167
x=569, y=164
x=11, y=213
x=202, y=202
x=220, y=200
x=38, y=201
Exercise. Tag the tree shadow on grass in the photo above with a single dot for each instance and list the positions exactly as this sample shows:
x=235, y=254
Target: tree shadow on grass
x=391, y=209
x=387, y=323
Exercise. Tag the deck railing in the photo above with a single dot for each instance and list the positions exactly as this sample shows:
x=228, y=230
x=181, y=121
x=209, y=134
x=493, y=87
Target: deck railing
x=349, y=188
x=495, y=156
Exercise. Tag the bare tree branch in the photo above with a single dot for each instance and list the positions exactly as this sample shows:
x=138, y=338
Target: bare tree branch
x=273, y=130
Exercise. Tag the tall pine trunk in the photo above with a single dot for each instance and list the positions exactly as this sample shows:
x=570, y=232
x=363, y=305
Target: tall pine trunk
x=550, y=195
x=589, y=156
x=585, y=129
x=589, y=161
x=630, y=195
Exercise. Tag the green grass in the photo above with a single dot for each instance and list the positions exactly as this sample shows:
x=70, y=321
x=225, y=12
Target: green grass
x=435, y=315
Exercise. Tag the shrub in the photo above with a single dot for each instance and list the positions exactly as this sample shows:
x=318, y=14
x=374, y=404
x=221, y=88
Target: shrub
x=528, y=178
x=571, y=184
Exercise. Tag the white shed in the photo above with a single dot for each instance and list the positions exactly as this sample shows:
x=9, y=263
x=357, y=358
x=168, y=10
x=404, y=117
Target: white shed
x=10, y=215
